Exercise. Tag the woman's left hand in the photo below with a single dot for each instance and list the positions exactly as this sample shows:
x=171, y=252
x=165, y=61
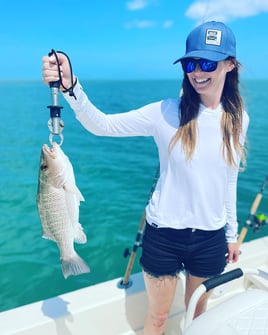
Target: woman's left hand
x=233, y=252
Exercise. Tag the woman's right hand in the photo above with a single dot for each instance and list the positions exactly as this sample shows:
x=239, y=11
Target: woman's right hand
x=50, y=70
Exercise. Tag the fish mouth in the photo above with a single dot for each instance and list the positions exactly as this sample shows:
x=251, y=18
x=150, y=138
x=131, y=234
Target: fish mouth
x=52, y=152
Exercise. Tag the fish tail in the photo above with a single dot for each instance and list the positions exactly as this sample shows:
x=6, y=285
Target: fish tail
x=74, y=265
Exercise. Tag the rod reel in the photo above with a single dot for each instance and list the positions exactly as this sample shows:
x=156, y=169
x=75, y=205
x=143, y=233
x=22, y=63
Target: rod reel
x=259, y=221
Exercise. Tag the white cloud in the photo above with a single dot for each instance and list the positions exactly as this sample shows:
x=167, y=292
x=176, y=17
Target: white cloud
x=140, y=4
x=136, y=4
x=168, y=24
x=225, y=10
x=140, y=24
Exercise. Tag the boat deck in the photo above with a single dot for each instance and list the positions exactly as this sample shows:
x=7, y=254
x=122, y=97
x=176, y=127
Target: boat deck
x=107, y=309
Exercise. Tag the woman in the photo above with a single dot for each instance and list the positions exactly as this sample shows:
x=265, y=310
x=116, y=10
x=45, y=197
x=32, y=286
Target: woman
x=191, y=217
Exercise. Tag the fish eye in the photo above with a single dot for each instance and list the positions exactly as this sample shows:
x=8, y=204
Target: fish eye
x=43, y=167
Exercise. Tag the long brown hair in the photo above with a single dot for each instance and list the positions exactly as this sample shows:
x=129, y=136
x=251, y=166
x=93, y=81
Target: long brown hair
x=231, y=122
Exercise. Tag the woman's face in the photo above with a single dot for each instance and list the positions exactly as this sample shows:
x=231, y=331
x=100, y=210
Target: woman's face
x=209, y=85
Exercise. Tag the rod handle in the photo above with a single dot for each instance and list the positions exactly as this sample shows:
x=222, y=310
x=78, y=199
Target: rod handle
x=242, y=235
x=256, y=203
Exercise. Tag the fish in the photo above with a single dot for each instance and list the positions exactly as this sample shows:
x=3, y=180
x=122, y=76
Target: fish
x=58, y=200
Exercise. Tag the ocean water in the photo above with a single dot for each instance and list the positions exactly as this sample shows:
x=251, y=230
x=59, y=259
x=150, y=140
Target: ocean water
x=114, y=175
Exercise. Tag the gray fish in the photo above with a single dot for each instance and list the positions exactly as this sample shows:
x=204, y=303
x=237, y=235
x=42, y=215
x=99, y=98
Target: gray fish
x=58, y=200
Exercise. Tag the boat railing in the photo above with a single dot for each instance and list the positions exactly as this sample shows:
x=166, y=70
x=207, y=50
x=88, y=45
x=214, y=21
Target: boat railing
x=213, y=283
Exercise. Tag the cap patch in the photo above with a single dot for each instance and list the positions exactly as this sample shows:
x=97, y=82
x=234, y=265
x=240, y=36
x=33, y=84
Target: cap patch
x=213, y=37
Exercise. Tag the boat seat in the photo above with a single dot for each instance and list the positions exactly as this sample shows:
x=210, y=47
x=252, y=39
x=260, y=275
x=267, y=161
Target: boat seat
x=258, y=281
x=244, y=313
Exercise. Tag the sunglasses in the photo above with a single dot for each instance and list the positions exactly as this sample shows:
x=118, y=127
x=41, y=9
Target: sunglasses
x=189, y=64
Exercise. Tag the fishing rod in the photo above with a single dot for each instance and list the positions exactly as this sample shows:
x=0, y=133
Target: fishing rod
x=125, y=282
x=252, y=217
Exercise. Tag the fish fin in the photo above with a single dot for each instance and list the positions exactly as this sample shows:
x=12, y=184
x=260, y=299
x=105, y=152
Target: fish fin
x=80, y=238
x=73, y=189
x=79, y=235
x=74, y=265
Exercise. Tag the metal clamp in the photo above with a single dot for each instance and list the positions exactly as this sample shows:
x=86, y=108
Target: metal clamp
x=55, y=124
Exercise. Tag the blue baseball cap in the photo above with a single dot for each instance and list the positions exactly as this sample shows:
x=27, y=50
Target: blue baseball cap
x=211, y=40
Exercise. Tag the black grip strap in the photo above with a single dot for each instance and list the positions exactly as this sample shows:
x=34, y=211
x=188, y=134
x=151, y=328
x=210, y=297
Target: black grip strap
x=59, y=82
x=222, y=279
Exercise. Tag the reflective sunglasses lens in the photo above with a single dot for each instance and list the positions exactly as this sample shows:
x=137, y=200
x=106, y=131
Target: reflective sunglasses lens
x=188, y=65
x=208, y=65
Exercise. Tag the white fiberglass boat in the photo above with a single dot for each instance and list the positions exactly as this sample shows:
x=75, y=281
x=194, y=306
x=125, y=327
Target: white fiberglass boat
x=239, y=306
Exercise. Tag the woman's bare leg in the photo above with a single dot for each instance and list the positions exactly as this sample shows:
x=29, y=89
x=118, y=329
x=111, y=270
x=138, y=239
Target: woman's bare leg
x=160, y=292
x=192, y=283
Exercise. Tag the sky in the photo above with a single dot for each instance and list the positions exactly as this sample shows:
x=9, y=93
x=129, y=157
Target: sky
x=124, y=39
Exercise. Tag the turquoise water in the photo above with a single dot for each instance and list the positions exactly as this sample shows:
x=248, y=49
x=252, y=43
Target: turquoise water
x=114, y=175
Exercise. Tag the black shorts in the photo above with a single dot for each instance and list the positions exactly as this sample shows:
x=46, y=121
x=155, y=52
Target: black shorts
x=167, y=251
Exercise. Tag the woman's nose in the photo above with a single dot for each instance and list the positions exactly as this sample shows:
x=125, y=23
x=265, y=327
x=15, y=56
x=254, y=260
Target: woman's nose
x=197, y=68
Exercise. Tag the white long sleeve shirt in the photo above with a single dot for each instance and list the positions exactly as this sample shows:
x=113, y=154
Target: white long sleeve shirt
x=199, y=193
